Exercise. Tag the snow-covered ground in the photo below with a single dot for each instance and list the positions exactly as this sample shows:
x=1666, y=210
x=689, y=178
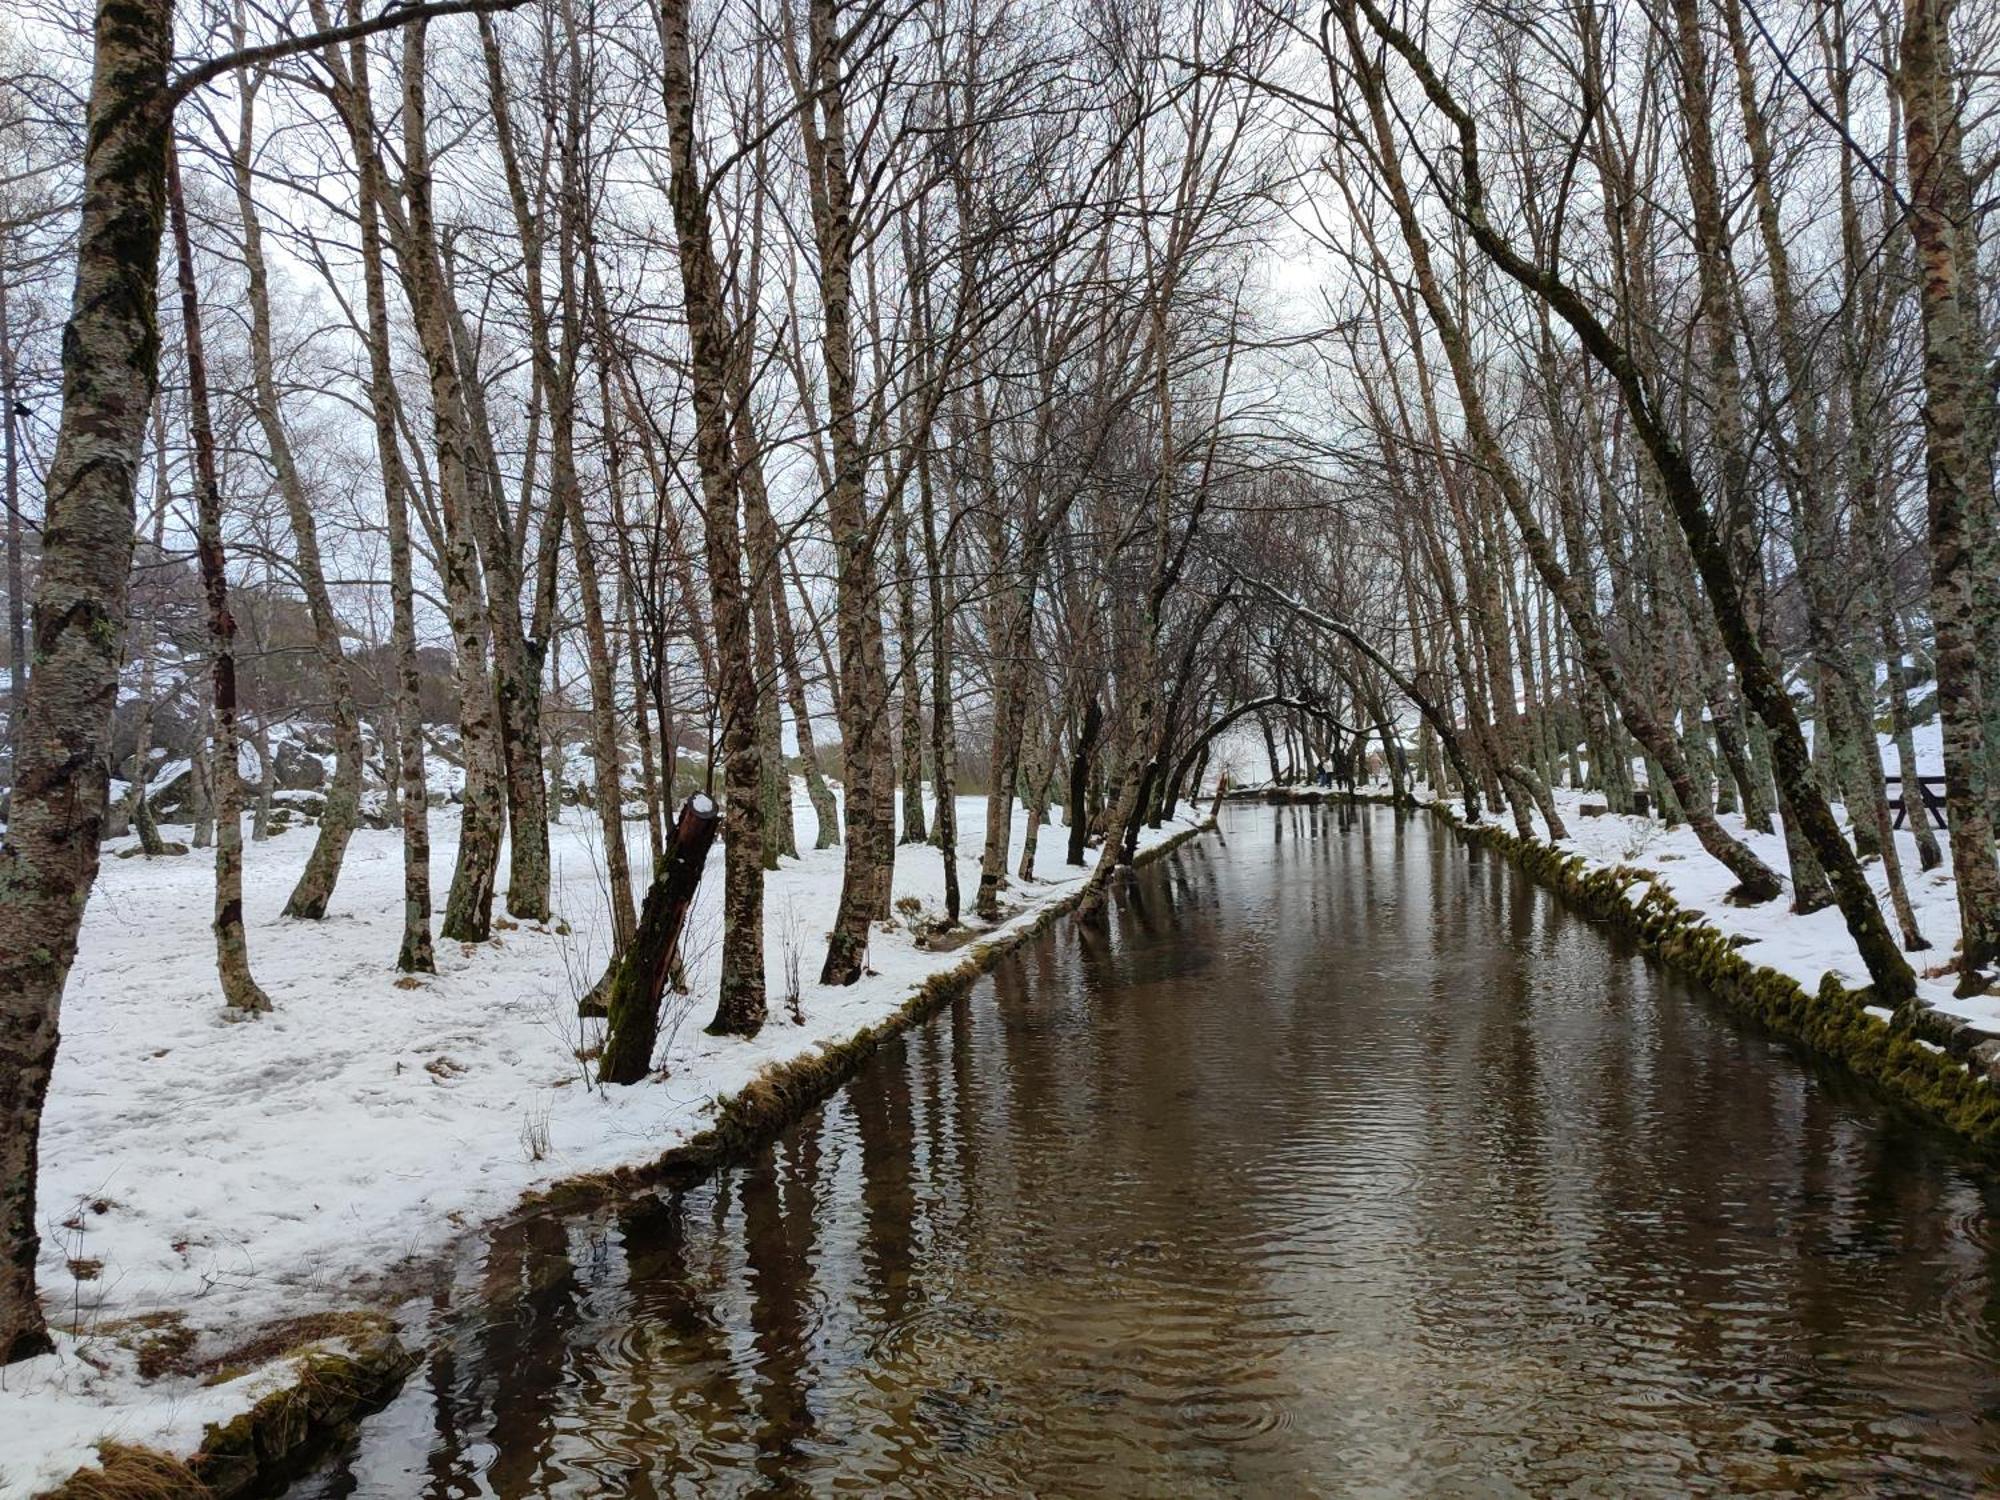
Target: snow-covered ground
x=240, y=1172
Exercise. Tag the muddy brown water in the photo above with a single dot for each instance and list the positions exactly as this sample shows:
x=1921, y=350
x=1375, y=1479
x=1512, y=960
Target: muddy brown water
x=1339, y=1160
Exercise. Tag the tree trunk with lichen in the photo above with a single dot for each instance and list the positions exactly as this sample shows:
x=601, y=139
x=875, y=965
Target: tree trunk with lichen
x=639, y=975
x=1958, y=479
x=240, y=991
x=740, y=1004
x=342, y=806
x=110, y=353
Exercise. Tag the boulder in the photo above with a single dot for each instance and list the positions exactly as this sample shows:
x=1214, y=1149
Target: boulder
x=298, y=771
x=171, y=794
x=303, y=804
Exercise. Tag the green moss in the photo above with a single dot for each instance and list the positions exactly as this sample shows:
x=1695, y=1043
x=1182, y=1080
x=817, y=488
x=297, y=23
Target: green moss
x=161, y=1342
x=333, y=1385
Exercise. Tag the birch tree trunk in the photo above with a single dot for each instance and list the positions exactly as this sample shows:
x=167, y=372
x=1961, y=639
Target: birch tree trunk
x=1958, y=477
x=1710, y=547
x=944, y=739
x=110, y=353
x=468, y=912
x=10, y=496
x=240, y=991
x=342, y=806
x=414, y=954
x=740, y=1006
x=864, y=694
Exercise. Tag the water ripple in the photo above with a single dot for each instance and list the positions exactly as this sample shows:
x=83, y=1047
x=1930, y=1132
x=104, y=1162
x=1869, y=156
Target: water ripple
x=1360, y=1169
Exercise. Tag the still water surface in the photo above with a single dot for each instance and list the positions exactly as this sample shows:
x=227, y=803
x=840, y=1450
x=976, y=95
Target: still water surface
x=1339, y=1160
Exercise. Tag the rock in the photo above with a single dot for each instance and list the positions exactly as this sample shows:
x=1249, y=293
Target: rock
x=165, y=848
x=298, y=771
x=1986, y=1059
x=172, y=799
x=304, y=804
x=1592, y=810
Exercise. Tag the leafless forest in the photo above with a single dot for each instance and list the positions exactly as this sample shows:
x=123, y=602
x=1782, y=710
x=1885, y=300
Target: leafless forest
x=645, y=405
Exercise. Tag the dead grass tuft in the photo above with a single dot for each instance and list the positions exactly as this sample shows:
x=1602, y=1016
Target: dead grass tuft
x=160, y=1342
x=124, y=1472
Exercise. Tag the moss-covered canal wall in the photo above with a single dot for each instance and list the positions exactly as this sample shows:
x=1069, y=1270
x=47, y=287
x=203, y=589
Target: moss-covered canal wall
x=1937, y=1065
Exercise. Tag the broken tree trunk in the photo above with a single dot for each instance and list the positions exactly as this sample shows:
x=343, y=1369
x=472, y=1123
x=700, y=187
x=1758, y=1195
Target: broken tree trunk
x=638, y=977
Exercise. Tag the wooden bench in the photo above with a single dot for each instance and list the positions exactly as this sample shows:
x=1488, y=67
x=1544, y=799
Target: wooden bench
x=1930, y=790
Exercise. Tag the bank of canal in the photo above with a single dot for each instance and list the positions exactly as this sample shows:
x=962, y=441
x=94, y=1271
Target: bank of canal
x=1338, y=1159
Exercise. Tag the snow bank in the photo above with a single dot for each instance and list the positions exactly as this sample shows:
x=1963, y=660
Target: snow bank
x=239, y=1172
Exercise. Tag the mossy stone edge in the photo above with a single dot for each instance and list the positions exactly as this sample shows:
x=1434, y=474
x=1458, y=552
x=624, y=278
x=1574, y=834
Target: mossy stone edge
x=333, y=1384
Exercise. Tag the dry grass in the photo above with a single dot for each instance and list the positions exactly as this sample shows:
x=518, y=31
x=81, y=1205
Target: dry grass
x=161, y=1342
x=127, y=1473
x=275, y=1341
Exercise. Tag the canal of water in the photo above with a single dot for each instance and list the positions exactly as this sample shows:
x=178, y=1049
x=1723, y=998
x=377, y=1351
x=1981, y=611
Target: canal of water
x=1337, y=1159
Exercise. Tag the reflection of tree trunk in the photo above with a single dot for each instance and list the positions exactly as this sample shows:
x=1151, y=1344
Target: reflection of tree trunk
x=240, y=991
x=880, y=1095
x=778, y=1234
x=669, y=1274
x=531, y=1284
